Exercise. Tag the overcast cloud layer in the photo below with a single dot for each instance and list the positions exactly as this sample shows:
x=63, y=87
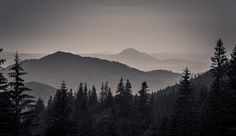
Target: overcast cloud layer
x=86, y=26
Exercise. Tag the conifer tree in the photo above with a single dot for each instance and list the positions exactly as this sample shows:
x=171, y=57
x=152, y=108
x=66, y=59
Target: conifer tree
x=182, y=123
x=102, y=94
x=120, y=89
x=5, y=111
x=231, y=103
x=216, y=101
x=93, y=98
x=105, y=96
x=128, y=98
x=59, y=118
x=22, y=103
x=38, y=121
x=143, y=100
x=120, y=102
x=143, y=109
x=82, y=115
x=109, y=99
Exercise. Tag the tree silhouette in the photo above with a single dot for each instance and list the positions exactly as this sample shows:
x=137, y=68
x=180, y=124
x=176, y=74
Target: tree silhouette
x=59, y=117
x=21, y=102
x=5, y=105
x=215, y=109
x=182, y=123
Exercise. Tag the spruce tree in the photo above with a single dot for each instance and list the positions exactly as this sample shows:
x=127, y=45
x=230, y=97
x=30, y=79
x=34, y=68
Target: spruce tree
x=143, y=100
x=120, y=102
x=21, y=102
x=108, y=103
x=82, y=115
x=105, y=96
x=183, y=123
x=128, y=100
x=231, y=103
x=38, y=121
x=120, y=89
x=216, y=114
x=5, y=111
x=59, y=117
x=143, y=109
x=93, y=98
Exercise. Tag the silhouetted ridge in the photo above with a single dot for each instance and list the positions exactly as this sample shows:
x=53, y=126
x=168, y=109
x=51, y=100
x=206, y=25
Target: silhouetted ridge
x=59, y=66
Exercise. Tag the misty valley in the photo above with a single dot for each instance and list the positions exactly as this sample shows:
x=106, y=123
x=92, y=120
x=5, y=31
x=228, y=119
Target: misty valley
x=63, y=94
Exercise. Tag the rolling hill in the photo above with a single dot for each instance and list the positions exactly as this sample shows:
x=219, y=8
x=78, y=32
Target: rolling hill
x=41, y=90
x=10, y=56
x=61, y=66
x=146, y=62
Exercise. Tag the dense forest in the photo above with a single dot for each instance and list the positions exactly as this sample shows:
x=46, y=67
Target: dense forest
x=199, y=106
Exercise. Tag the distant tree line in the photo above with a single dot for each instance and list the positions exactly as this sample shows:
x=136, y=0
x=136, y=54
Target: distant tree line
x=91, y=112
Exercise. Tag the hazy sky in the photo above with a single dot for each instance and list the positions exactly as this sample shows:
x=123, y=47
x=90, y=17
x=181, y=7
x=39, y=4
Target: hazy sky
x=90, y=26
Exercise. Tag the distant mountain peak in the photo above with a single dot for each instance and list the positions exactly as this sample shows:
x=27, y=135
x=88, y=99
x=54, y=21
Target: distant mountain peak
x=130, y=50
x=61, y=55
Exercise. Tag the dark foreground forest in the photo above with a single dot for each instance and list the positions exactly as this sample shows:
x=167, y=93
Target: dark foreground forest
x=194, y=107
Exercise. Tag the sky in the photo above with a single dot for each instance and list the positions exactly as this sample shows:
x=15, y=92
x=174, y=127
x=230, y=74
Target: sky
x=94, y=26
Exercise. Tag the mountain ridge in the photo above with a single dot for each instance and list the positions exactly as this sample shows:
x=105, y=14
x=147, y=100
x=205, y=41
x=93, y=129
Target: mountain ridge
x=148, y=62
x=64, y=66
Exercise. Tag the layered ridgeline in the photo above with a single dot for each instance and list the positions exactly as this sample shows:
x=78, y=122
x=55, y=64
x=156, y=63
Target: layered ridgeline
x=10, y=56
x=144, y=61
x=41, y=90
x=61, y=66
x=166, y=98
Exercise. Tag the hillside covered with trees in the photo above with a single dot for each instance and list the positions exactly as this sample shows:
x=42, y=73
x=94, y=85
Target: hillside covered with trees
x=200, y=106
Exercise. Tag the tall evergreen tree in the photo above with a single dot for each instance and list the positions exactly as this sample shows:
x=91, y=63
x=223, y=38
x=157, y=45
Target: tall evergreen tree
x=143, y=109
x=120, y=98
x=93, y=98
x=38, y=121
x=231, y=103
x=216, y=101
x=22, y=103
x=128, y=98
x=120, y=89
x=59, y=118
x=5, y=111
x=109, y=100
x=143, y=100
x=82, y=115
x=105, y=96
x=124, y=99
x=183, y=123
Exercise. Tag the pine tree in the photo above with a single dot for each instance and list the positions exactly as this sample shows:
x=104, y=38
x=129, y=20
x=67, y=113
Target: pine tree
x=216, y=102
x=109, y=100
x=183, y=123
x=93, y=98
x=22, y=103
x=102, y=94
x=120, y=89
x=143, y=109
x=128, y=100
x=231, y=103
x=5, y=111
x=105, y=96
x=120, y=102
x=38, y=121
x=59, y=117
x=82, y=115
x=143, y=100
